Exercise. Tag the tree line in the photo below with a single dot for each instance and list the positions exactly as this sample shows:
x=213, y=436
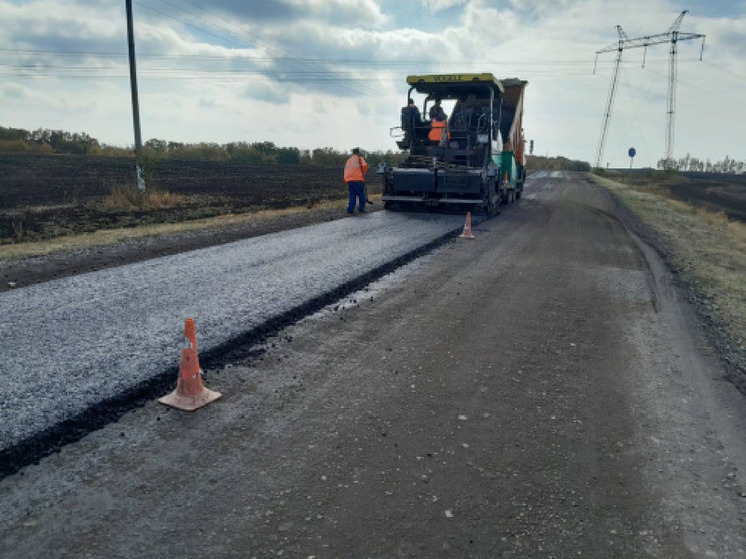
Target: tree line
x=43, y=141
x=559, y=163
x=695, y=165
x=51, y=142
x=47, y=141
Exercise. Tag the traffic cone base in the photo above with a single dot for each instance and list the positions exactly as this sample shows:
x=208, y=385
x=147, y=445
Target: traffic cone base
x=182, y=400
x=190, y=394
x=467, y=234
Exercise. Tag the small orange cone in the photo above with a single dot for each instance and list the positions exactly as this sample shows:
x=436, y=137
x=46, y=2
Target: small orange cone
x=190, y=393
x=467, y=228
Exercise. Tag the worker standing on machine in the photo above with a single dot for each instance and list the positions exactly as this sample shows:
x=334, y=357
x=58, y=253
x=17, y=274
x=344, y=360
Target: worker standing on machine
x=437, y=112
x=438, y=122
x=355, y=170
x=412, y=115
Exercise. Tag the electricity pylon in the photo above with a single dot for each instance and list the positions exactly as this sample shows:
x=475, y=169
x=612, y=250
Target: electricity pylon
x=672, y=35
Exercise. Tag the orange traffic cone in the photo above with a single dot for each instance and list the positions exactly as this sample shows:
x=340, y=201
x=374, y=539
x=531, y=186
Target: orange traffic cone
x=467, y=228
x=190, y=394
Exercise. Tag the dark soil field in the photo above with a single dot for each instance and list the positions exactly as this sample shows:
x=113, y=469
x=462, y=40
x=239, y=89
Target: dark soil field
x=43, y=197
x=716, y=192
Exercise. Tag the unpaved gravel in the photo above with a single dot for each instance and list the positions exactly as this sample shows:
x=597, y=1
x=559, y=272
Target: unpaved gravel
x=540, y=391
x=16, y=273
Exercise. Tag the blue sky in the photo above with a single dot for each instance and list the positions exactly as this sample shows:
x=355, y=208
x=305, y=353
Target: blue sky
x=331, y=73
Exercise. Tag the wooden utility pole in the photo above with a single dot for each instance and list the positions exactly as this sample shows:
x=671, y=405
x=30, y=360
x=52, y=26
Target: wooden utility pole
x=135, y=102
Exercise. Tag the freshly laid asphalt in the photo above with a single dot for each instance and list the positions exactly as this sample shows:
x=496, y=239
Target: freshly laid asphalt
x=72, y=343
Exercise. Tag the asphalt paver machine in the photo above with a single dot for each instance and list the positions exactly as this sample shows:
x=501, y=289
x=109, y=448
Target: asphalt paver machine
x=475, y=160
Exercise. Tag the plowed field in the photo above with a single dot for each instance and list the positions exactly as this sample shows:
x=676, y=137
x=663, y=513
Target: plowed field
x=48, y=196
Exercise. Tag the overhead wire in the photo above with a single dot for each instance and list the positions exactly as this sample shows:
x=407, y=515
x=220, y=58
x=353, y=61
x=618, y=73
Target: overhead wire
x=294, y=59
x=634, y=121
x=550, y=62
x=29, y=68
x=318, y=63
x=319, y=72
x=544, y=68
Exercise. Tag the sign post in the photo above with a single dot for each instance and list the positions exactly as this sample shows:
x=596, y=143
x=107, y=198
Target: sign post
x=632, y=152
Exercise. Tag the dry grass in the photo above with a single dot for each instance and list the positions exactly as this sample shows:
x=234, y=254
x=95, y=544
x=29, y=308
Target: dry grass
x=705, y=245
x=128, y=198
x=113, y=236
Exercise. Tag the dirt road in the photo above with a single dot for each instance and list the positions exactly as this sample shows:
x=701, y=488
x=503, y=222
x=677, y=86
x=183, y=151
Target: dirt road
x=540, y=391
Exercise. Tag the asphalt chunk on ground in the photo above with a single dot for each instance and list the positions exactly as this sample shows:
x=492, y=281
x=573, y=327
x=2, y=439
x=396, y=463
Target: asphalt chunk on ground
x=539, y=391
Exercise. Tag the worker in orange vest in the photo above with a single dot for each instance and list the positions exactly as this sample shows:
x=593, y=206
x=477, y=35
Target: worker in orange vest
x=355, y=170
x=438, y=122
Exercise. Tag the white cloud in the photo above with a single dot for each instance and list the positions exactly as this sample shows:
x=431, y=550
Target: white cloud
x=316, y=73
x=363, y=13
x=435, y=6
x=11, y=92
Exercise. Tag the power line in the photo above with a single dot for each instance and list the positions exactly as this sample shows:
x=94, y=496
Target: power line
x=547, y=62
x=294, y=58
x=233, y=66
x=550, y=66
x=291, y=56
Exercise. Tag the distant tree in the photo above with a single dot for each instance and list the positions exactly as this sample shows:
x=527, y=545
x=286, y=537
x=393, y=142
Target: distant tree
x=62, y=142
x=238, y=151
x=558, y=163
x=204, y=151
x=389, y=157
x=288, y=156
x=13, y=134
x=115, y=151
x=243, y=153
x=305, y=157
x=266, y=150
x=156, y=146
x=328, y=157
x=692, y=164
